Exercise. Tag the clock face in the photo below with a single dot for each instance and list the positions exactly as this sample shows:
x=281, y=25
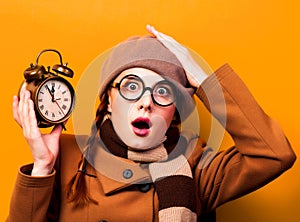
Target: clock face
x=54, y=99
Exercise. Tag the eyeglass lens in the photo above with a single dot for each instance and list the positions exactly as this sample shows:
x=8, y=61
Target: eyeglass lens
x=132, y=88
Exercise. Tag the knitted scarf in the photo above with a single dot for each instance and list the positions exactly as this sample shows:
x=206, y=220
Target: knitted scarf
x=170, y=172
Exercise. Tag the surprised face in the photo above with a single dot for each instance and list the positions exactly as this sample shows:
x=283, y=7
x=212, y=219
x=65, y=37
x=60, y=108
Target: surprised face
x=140, y=123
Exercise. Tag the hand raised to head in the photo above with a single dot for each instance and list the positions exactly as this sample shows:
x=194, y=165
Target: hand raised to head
x=195, y=74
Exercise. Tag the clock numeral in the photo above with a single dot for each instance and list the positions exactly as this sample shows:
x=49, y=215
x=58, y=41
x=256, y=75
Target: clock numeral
x=59, y=87
x=64, y=92
x=41, y=92
x=66, y=99
x=64, y=107
x=59, y=112
x=40, y=100
x=53, y=115
x=53, y=84
x=41, y=107
x=46, y=113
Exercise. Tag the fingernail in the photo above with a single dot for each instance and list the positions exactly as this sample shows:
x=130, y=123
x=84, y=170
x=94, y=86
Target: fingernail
x=24, y=85
x=22, y=89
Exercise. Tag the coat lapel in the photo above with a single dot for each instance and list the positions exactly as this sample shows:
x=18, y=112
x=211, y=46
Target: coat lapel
x=116, y=173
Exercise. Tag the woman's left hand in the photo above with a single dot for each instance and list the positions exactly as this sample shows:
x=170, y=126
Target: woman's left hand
x=195, y=74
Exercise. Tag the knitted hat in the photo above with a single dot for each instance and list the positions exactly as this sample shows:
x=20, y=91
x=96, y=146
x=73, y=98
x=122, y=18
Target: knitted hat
x=147, y=52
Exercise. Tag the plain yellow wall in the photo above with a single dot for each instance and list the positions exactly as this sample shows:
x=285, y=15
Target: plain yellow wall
x=260, y=39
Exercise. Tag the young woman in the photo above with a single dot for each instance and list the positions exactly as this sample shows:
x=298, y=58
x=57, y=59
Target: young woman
x=138, y=164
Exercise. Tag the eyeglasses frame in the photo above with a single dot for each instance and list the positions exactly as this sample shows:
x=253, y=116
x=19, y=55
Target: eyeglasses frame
x=118, y=84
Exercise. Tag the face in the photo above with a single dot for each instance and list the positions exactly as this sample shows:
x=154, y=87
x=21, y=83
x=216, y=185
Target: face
x=141, y=124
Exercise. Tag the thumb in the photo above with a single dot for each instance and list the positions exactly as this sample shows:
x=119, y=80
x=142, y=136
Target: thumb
x=57, y=130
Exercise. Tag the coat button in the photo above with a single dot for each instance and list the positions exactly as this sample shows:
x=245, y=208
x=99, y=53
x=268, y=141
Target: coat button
x=127, y=173
x=102, y=221
x=144, y=187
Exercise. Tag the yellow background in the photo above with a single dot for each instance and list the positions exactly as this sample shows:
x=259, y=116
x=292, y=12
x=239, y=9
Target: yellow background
x=260, y=39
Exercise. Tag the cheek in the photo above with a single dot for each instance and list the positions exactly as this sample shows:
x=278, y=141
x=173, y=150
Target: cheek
x=167, y=113
x=120, y=108
x=116, y=102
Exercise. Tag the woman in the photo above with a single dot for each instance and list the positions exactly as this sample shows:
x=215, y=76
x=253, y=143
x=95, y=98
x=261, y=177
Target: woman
x=138, y=165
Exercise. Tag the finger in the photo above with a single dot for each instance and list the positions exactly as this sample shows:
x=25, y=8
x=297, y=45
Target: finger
x=32, y=118
x=153, y=31
x=156, y=33
x=15, y=106
x=168, y=41
x=21, y=102
x=25, y=115
x=171, y=43
x=160, y=35
x=150, y=29
x=23, y=87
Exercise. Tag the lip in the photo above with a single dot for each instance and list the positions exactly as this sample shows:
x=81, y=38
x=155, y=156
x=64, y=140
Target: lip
x=141, y=126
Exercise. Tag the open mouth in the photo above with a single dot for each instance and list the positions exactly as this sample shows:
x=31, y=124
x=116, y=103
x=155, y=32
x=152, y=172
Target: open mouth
x=141, y=126
x=141, y=123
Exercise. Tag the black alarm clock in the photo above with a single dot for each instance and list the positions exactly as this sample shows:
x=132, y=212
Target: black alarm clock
x=53, y=96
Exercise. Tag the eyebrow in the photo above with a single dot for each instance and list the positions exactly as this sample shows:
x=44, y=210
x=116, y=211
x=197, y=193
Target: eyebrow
x=135, y=76
x=132, y=76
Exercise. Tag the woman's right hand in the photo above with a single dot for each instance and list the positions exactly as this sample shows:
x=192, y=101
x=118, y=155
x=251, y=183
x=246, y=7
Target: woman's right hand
x=44, y=147
x=195, y=74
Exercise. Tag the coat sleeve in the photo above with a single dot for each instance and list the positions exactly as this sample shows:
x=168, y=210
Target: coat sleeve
x=31, y=196
x=261, y=151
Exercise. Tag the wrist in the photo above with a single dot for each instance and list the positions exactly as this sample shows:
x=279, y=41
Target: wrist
x=42, y=168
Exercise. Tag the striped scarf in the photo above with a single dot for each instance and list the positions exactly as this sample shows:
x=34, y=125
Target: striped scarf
x=170, y=172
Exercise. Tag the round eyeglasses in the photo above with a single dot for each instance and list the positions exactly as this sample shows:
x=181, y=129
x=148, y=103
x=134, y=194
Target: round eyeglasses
x=132, y=88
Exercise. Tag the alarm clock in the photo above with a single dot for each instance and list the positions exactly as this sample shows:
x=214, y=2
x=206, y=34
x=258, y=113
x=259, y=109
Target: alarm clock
x=53, y=96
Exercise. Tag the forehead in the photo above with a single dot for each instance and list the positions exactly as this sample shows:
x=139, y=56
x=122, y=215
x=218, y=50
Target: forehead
x=148, y=76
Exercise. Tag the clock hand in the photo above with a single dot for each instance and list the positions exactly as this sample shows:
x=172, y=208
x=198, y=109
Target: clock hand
x=53, y=90
x=52, y=96
x=59, y=107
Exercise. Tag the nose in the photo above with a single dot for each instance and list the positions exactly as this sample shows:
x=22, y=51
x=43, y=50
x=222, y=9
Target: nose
x=146, y=102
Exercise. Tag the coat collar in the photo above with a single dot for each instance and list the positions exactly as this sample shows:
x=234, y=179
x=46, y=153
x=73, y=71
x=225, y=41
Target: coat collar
x=116, y=173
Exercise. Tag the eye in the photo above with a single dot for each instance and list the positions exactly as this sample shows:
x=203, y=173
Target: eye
x=132, y=86
x=162, y=91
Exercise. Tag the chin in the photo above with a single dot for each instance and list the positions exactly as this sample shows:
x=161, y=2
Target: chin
x=139, y=143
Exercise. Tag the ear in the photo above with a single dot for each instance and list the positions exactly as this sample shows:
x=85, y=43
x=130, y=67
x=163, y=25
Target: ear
x=109, y=109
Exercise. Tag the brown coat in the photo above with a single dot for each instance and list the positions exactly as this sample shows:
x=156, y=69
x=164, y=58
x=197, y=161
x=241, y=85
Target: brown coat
x=261, y=153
